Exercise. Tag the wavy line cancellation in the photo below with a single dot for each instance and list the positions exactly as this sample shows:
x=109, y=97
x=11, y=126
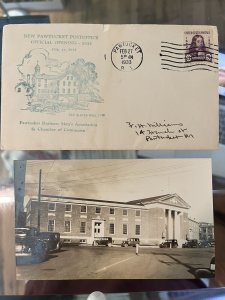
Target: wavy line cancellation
x=196, y=69
x=185, y=49
x=184, y=67
x=184, y=62
x=215, y=56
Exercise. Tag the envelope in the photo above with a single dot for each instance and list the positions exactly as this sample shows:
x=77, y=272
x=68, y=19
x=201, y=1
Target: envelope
x=85, y=86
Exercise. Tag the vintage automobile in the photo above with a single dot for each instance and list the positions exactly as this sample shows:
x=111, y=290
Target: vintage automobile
x=29, y=247
x=191, y=244
x=169, y=244
x=103, y=241
x=52, y=240
x=204, y=244
x=130, y=242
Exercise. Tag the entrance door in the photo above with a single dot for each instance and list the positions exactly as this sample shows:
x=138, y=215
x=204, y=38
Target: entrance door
x=98, y=229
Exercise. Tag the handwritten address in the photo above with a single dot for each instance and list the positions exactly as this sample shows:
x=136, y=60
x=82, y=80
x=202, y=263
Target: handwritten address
x=161, y=131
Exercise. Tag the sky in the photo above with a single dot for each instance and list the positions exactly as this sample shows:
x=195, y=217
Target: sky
x=126, y=180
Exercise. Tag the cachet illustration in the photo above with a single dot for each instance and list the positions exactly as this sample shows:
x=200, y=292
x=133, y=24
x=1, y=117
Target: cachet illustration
x=53, y=86
x=126, y=56
x=198, y=52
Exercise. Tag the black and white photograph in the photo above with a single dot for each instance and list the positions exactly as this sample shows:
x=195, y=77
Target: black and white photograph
x=114, y=219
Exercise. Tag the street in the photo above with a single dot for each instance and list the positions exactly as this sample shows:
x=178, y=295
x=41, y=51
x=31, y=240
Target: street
x=118, y=263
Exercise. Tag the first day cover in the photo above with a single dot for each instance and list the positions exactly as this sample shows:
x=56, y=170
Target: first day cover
x=109, y=87
x=113, y=219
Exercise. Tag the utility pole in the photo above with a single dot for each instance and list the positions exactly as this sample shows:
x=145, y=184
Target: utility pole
x=39, y=202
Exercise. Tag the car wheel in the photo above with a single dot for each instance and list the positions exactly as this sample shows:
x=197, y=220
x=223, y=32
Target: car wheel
x=125, y=245
x=109, y=244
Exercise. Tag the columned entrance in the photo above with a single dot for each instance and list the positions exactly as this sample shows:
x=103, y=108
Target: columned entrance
x=172, y=224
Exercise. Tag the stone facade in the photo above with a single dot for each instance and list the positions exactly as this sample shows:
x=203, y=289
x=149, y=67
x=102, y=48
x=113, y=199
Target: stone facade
x=83, y=220
x=193, y=231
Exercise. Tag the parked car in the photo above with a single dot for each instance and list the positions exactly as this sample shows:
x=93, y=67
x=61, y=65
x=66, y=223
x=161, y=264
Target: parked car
x=103, y=241
x=52, y=240
x=29, y=247
x=130, y=242
x=191, y=244
x=212, y=243
x=204, y=244
x=169, y=244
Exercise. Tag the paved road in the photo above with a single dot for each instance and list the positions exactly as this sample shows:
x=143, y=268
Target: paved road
x=117, y=263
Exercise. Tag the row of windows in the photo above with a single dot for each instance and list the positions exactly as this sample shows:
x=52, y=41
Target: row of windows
x=125, y=229
x=67, y=227
x=68, y=91
x=83, y=209
x=69, y=83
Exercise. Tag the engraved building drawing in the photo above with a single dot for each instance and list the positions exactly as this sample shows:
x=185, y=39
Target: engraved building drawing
x=74, y=87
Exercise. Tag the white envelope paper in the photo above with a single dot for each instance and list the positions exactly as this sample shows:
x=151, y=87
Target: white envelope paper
x=73, y=86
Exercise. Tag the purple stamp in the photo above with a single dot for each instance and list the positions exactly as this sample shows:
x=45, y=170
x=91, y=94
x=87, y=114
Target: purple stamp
x=199, y=46
x=197, y=52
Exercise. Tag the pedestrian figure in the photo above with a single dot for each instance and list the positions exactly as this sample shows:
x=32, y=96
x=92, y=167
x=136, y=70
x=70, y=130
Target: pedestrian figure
x=137, y=248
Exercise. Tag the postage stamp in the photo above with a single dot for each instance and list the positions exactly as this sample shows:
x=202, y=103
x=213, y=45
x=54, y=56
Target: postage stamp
x=199, y=46
x=197, y=52
x=126, y=56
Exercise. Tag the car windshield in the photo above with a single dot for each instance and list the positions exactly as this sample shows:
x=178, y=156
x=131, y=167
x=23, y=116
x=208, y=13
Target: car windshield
x=21, y=231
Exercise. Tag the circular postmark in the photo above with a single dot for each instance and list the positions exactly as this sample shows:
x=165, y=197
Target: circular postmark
x=126, y=56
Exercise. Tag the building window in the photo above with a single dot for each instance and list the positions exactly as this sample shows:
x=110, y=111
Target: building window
x=83, y=209
x=124, y=212
x=51, y=206
x=51, y=225
x=138, y=229
x=112, y=211
x=111, y=228
x=69, y=83
x=64, y=83
x=68, y=91
x=67, y=226
x=124, y=228
x=98, y=210
x=63, y=90
x=82, y=227
x=68, y=208
x=138, y=213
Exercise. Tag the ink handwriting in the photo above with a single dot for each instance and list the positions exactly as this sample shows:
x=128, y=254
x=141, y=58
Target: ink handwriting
x=161, y=130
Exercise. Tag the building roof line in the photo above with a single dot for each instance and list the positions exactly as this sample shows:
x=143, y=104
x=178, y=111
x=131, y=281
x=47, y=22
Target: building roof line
x=88, y=199
x=138, y=202
x=161, y=199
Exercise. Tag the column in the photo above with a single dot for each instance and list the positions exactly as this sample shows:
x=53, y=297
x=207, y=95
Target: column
x=170, y=224
x=177, y=225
